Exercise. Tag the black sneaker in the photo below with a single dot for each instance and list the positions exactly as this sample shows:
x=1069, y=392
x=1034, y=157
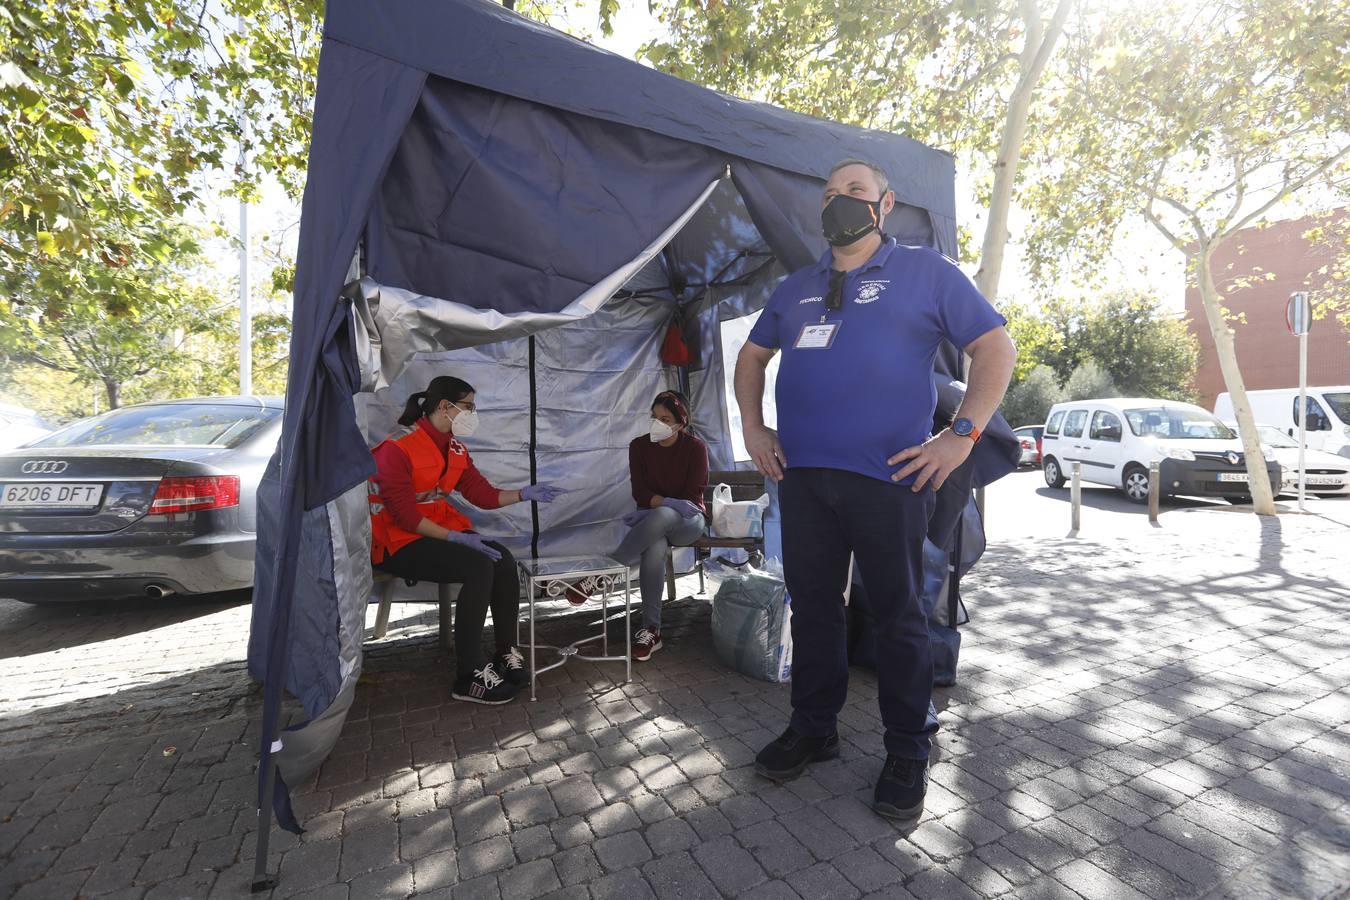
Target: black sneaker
x=486, y=687
x=788, y=756
x=901, y=788
x=511, y=665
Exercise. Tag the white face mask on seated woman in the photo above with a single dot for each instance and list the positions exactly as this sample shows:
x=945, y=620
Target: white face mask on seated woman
x=660, y=431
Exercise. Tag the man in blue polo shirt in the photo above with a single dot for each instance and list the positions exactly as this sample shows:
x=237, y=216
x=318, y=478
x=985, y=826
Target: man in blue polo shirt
x=859, y=331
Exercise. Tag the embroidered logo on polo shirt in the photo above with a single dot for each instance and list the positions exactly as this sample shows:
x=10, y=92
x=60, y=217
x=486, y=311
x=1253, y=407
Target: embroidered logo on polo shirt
x=869, y=291
x=803, y=302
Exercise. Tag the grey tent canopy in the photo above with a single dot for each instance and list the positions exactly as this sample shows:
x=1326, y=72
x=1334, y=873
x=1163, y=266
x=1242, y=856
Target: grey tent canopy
x=490, y=198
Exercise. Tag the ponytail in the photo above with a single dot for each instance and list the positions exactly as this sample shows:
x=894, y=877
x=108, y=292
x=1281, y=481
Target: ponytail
x=424, y=403
x=412, y=410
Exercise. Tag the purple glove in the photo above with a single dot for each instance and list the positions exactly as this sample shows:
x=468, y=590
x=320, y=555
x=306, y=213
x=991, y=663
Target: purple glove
x=541, y=493
x=474, y=542
x=636, y=516
x=686, y=508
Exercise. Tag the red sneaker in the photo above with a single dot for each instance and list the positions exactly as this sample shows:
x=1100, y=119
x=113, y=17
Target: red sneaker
x=579, y=593
x=645, y=643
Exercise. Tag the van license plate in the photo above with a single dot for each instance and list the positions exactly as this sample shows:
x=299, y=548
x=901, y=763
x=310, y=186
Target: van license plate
x=50, y=496
x=1232, y=476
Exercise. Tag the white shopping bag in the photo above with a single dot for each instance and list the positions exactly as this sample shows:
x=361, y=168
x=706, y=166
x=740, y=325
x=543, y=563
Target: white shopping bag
x=737, y=518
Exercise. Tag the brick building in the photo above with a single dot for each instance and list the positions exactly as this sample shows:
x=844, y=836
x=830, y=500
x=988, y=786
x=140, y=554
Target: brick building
x=1266, y=351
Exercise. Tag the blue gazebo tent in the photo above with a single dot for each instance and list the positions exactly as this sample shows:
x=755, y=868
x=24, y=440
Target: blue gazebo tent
x=492, y=198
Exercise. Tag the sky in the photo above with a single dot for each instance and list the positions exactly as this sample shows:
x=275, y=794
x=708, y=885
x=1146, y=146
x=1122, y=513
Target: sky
x=1141, y=259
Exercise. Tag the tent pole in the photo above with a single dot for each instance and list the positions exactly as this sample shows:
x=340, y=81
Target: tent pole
x=534, y=447
x=261, y=880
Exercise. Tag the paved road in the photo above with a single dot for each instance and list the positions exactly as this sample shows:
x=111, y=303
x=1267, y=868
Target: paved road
x=1162, y=716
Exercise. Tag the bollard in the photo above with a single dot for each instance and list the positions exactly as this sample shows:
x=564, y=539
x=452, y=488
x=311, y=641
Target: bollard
x=1154, y=490
x=1076, y=495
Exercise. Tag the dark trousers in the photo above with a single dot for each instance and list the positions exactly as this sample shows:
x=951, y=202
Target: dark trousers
x=484, y=584
x=828, y=514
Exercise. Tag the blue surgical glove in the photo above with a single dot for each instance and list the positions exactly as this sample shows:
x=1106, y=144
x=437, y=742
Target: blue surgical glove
x=474, y=542
x=541, y=493
x=636, y=516
x=686, y=508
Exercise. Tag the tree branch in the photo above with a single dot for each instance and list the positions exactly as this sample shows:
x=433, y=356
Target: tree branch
x=1157, y=223
x=38, y=359
x=979, y=75
x=1049, y=38
x=1239, y=185
x=1289, y=188
x=1152, y=217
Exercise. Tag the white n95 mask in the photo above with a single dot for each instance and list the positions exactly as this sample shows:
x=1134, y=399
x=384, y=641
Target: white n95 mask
x=660, y=431
x=466, y=423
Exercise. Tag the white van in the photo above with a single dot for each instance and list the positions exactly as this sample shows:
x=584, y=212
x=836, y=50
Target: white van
x=1114, y=440
x=1328, y=414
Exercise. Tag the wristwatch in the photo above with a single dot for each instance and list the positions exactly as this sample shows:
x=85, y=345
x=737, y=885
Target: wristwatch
x=963, y=427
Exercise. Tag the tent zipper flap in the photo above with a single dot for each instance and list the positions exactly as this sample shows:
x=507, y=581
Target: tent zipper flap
x=534, y=451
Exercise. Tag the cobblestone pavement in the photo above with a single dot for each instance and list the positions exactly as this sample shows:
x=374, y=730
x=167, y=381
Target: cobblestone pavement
x=1163, y=714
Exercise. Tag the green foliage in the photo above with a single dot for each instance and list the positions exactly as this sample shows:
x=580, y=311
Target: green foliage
x=1201, y=116
x=1028, y=402
x=112, y=115
x=1144, y=351
x=146, y=329
x=1331, y=283
x=1089, y=381
x=1037, y=337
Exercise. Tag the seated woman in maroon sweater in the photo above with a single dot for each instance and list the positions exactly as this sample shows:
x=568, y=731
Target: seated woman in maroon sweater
x=668, y=467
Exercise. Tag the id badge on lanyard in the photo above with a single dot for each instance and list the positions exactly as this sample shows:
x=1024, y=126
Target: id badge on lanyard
x=816, y=336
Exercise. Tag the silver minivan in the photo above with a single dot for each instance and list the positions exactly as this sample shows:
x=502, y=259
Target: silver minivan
x=1114, y=440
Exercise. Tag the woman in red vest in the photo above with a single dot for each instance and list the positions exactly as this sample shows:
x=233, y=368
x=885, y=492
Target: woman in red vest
x=417, y=534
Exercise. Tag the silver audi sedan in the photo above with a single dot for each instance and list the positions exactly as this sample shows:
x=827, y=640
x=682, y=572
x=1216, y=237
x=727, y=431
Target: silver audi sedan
x=147, y=500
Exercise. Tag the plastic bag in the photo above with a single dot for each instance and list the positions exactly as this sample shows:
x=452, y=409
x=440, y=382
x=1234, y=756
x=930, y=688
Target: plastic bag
x=737, y=518
x=752, y=622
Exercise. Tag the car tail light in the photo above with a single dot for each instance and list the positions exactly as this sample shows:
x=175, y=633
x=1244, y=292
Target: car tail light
x=195, y=493
x=1027, y=444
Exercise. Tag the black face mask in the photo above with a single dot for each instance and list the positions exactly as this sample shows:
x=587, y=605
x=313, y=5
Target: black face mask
x=847, y=219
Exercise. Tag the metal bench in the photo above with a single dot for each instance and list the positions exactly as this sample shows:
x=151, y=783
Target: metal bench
x=745, y=485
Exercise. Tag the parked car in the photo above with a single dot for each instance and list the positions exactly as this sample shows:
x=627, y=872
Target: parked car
x=1032, y=434
x=153, y=499
x=1328, y=425
x=1328, y=474
x=19, y=425
x=1116, y=440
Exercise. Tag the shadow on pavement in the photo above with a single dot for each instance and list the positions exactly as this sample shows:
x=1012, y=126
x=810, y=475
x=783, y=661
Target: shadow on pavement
x=1164, y=725
x=26, y=629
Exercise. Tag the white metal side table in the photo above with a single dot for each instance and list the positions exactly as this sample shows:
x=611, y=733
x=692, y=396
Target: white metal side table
x=553, y=576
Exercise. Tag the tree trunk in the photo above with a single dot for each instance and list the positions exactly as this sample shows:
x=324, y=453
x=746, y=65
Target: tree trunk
x=1036, y=50
x=1263, y=499
x=114, y=392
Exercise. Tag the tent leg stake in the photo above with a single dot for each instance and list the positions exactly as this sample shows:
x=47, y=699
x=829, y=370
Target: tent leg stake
x=261, y=880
